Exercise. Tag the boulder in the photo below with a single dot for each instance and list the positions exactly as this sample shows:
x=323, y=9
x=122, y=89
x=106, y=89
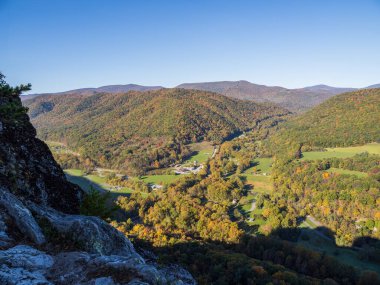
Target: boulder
x=24, y=265
x=90, y=233
x=21, y=216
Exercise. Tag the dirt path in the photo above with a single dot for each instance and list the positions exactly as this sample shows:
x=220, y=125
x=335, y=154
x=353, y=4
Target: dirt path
x=215, y=150
x=253, y=206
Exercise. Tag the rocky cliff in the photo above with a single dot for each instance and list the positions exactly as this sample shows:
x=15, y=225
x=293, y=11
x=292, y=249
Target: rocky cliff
x=43, y=239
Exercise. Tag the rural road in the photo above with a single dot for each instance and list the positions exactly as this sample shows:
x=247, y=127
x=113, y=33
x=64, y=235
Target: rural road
x=214, y=152
x=253, y=206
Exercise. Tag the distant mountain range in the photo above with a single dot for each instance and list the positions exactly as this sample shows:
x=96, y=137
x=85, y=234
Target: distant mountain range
x=374, y=86
x=296, y=100
x=102, y=89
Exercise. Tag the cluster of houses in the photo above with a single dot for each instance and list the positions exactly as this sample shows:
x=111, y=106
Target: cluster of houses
x=180, y=169
x=156, y=186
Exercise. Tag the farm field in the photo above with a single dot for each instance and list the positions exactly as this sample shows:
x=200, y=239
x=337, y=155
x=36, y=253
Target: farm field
x=262, y=165
x=77, y=176
x=342, y=152
x=346, y=171
x=161, y=179
x=261, y=183
x=203, y=151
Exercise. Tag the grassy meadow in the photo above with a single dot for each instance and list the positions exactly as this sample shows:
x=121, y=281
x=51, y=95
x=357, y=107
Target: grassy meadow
x=342, y=152
x=346, y=171
x=161, y=179
x=77, y=176
x=203, y=151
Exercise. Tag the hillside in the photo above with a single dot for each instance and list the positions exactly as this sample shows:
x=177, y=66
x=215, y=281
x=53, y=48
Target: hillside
x=344, y=120
x=293, y=99
x=43, y=237
x=145, y=130
x=103, y=89
x=339, y=188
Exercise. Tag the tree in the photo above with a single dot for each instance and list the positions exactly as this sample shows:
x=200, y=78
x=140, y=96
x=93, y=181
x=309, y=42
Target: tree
x=5, y=89
x=95, y=204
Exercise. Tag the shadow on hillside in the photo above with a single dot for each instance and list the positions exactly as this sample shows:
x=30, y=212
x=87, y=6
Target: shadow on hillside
x=364, y=252
x=281, y=251
x=86, y=184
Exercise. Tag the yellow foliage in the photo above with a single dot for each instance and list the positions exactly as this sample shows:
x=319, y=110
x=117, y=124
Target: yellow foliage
x=266, y=213
x=326, y=175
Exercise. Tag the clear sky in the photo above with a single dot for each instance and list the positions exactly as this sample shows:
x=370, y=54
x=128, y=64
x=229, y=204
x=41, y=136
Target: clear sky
x=59, y=45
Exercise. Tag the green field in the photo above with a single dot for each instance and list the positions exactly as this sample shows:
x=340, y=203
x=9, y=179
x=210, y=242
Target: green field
x=86, y=182
x=262, y=165
x=373, y=148
x=261, y=184
x=342, y=152
x=255, y=177
x=161, y=179
x=346, y=171
x=203, y=151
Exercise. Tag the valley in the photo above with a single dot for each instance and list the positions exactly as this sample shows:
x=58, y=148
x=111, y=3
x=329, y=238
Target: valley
x=189, y=142
x=191, y=170
x=258, y=182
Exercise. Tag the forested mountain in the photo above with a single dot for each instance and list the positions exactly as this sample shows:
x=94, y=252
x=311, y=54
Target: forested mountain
x=344, y=120
x=329, y=189
x=142, y=130
x=102, y=89
x=293, y=99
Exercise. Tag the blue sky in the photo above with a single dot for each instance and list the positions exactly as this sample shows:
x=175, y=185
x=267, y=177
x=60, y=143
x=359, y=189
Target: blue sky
x=59, y=45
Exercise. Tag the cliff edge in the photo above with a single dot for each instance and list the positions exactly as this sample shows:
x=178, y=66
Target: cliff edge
x=43, y=239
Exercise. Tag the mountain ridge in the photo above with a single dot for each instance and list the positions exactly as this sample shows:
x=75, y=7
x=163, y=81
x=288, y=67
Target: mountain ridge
x=143, y=120
x=296, y=100
x=116, y=88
